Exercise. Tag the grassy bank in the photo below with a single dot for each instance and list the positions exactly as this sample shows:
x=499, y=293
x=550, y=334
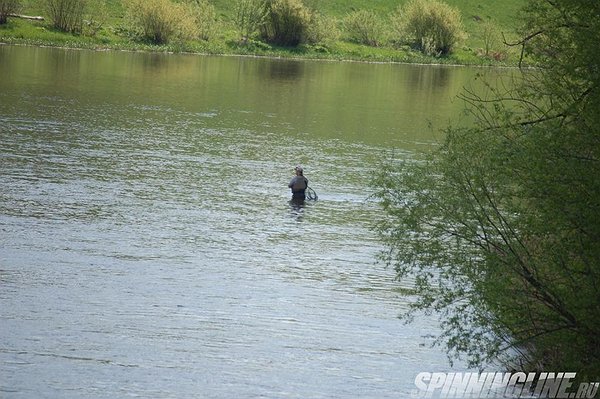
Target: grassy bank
x=113, y=34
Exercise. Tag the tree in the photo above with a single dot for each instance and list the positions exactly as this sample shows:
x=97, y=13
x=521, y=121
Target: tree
x=500, y=228
x=8, y=7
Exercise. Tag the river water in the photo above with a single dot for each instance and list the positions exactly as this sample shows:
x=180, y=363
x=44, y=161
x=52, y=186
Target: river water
x=147, y=244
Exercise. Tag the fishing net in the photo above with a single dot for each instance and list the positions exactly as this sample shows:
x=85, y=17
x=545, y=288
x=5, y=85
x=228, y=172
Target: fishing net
x=311, y=195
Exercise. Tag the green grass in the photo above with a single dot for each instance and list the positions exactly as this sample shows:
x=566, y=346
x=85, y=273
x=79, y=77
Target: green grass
x=503, y=14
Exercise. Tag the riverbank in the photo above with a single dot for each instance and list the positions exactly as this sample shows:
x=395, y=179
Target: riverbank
x=357, y=54
x=39, y=33
x=296, y=55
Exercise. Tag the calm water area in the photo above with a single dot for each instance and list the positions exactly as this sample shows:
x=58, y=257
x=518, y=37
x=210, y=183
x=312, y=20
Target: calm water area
x=147, y=244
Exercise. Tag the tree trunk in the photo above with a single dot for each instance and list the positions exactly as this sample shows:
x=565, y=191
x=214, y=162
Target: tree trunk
x=26, y=17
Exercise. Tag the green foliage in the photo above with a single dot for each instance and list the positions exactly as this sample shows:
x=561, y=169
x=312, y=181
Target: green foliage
x=287, y=22
x=110, y=22
x=364, y=27
x=500, y=228
x=490, y=35
x=161, y=21
x=8, y=7
x=95, y=17
x=205, y=18
x=322, y=30
x=249, y=17
x=432, y=26
x=67, y=15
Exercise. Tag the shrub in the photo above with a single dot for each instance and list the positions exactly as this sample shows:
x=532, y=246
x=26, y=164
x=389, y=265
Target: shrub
x=432, y=26
x=205, y=18
x=95, y=18
x=8, y=7
x=249, y=17
x=322, y=30
x=161, y=21
x=287, y=22
x=490, y=35
x=364, y=27
x=66, y=15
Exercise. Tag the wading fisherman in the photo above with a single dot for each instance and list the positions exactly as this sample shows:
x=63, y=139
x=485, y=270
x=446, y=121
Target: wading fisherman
x=298, y=184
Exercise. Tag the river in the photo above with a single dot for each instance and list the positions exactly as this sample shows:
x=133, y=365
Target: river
x=147, y=244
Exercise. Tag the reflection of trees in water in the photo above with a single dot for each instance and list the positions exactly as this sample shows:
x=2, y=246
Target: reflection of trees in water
x=62, y=65
x=154, y=61
x=422, y=78
x=281, y=70
x=176, y=66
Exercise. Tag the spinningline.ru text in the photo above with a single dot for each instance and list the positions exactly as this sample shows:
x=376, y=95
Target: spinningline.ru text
x=502, y=385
